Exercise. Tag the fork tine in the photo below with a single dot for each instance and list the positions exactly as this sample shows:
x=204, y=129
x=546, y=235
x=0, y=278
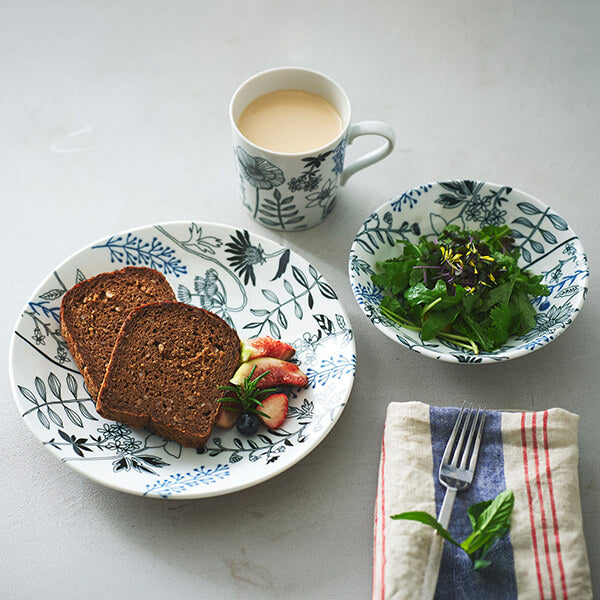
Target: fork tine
x=453, y=435
x=477, y=442
x=461, y=439
x=472, y=429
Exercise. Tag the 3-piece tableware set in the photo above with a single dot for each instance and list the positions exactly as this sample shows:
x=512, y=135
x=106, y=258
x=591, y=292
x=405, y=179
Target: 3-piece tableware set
x=260, y=287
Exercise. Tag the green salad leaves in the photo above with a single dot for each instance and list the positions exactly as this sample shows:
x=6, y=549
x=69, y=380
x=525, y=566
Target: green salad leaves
x=464, y=286
x=490, y=521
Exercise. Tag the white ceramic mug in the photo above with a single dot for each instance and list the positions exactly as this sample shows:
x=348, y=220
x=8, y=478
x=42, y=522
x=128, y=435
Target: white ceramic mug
x=294, y=191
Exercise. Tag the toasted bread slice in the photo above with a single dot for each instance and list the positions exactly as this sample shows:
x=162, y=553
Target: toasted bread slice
x=165, y=371
x=93, y=312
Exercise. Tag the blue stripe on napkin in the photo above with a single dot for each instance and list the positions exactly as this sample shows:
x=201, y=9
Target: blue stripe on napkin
x=458, y=580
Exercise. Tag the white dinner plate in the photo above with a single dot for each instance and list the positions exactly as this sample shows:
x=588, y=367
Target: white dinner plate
x=257, y=286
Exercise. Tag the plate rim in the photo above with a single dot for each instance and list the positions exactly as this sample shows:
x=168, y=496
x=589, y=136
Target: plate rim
x=191, y=493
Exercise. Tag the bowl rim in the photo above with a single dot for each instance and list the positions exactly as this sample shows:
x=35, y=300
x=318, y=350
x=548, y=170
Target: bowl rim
x=486, y=357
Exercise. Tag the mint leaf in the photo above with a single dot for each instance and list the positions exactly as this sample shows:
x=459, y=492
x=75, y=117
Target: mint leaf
x=492, y=521
x=523, y=313
x=436, y=322
x=530, y=284
x=472, y=328
x=479, y=556
x=392, y=305
x=421, y=294
x=394, y=274
x=500, y=326
x=474, y=511
x=480, y=563
x=427, y=519
x=498, y=295
x=470, y=302
x=411, y=249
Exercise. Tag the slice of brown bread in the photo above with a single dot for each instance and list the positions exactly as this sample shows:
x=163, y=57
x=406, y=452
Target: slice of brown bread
x=165, y=371
x=93, y=312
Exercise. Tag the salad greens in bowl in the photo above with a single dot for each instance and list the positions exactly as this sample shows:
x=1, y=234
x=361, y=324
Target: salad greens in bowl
x=468, y=271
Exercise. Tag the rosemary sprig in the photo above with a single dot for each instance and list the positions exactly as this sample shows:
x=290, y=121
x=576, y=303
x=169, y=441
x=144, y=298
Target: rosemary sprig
x=247, y=395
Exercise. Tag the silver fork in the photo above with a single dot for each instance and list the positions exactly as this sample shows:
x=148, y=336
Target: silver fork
x=456, y=474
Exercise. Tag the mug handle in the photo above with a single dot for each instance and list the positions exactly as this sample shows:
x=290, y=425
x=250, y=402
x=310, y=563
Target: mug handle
x=369, y=128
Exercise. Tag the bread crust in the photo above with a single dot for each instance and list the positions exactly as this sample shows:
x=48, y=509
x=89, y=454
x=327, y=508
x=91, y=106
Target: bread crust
x=165, y=369
x=91, y=349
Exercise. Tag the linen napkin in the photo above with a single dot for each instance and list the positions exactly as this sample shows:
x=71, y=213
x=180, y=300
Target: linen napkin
x=535, y=455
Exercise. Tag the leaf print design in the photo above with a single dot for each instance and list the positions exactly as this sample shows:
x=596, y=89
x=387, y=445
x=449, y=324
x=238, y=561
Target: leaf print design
x=274, y=317
x=472, y=205
x=207, y=244
x=357, y=265
x=331, y=368
x=339, y=154
x=132, y=250
x=375, y=234
x=314, y=162
x=529, y=230
x=181, y=482
x=46, y=407
x=279, y=212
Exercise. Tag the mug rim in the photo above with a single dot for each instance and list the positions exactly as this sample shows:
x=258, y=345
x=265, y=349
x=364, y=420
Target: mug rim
x=334, y=142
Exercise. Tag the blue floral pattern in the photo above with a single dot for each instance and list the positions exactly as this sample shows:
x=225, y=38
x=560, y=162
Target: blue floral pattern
x=548, y=246
x=182, y=482
x=256, y=286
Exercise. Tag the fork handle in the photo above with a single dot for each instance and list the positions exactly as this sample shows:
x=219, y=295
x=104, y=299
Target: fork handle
x=432, y=570
x=446, y=509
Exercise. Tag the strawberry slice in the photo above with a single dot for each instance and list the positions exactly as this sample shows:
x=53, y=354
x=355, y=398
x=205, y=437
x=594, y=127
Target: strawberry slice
x=265, y=346
x=280, y=372
x=227, y=418
x=276, y=406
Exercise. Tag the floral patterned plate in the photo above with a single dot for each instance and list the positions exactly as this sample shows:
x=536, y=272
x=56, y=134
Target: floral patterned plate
x=254, y=284
x=548, y=247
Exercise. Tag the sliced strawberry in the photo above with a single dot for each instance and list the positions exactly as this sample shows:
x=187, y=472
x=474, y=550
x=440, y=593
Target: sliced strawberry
x=227, y=418
x=266, y=346
x=276, y=406
x=280, y=373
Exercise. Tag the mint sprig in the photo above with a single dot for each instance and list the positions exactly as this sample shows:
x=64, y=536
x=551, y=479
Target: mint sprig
x=490, y=521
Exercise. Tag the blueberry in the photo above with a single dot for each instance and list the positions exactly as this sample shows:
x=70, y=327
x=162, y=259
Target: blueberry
x=248, y=423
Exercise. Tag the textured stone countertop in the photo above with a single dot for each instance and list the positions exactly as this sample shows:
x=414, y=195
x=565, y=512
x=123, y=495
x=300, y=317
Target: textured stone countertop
x=114, y=115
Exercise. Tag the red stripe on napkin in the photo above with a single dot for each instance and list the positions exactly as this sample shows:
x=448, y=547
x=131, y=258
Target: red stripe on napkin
x=538, y=481
x=380, y=499
x=553, y=509
x=530, y=502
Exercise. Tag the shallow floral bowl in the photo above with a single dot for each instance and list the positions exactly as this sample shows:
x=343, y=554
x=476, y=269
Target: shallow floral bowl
x=549, y=247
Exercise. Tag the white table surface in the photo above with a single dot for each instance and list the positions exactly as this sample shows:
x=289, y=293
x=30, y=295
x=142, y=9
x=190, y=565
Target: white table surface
x=114, y=114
